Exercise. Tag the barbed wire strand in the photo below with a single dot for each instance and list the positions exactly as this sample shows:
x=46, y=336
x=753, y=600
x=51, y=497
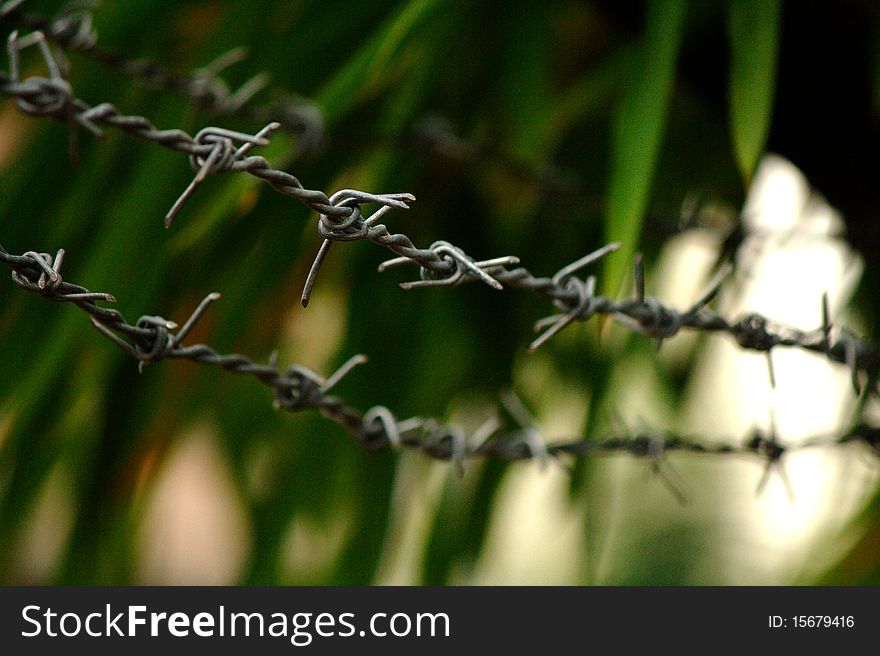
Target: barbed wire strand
x=153, y=338
x=72, y=29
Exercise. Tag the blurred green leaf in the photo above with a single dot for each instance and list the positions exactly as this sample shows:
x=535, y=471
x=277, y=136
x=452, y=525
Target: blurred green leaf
x=637, y=134
x=587, y=95
x=368, y=68
x=754, y=41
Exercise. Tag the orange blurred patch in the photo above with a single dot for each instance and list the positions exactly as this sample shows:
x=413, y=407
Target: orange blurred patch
x=14, y=128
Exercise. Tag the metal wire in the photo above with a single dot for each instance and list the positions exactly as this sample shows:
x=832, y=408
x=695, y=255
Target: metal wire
x=71, y=29
x=153, y=338
x=214, y=150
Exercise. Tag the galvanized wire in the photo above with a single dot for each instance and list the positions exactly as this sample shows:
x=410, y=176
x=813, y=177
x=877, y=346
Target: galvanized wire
x=153, y=338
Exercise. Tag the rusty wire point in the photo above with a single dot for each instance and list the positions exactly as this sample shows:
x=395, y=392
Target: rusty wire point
x=484, y=433
x=653, y=448
x=850, y=347
x=664, y=470
x=639, y=277
x=343, y=371
x=712, y=289
x=194, y=317
x=382, y=416
x=826, y=321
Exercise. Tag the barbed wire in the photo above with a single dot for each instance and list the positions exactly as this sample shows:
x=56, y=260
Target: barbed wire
x=215, y=150
x=297, y=388
x=212, y=150
x=72, y=29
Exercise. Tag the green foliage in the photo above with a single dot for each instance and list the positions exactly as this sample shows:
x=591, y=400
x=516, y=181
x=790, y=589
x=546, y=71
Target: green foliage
x=754, y=38
x=637, y=133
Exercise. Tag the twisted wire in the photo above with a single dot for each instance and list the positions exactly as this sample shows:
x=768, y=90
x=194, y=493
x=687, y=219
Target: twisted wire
x=53, y=97
x=71, y=29
x=341, y=218
x=212, y=150
x=153, y=338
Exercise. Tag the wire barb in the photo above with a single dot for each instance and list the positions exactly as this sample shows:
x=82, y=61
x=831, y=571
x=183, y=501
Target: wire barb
x=351, y=227
x=462, y=268
x=223, y=156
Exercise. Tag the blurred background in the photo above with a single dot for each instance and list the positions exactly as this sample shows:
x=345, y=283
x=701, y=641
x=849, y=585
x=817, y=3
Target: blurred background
x=690, y=131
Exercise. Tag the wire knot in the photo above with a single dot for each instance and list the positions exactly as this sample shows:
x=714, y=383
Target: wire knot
x=585, y=303
x=217, y=152
x=220, y=151
x=351, y=226
x=345, y=228
x=45, y=278
x=451, y=266
x=160, y=342
x=302, y=389
x=658, y=320
x=445, y=443
x=151, y=337
x=453, y=271
x=751, y=332
x=40, y=96
x=576, y=300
